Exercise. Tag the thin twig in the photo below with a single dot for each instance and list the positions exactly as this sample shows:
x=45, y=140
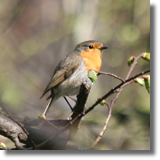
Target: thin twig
x=103, y=130
x=113, y=90
x=114, y=100
x=107, y=120
x=56, y=135
x=110, y=74
x=72, y=99
x=52, y=124
x=133, y=65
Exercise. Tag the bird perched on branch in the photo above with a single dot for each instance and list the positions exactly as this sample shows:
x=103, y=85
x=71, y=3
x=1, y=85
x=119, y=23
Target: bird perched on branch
x=73, y=70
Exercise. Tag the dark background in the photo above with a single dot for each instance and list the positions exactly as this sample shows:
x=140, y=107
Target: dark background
x=35, y=35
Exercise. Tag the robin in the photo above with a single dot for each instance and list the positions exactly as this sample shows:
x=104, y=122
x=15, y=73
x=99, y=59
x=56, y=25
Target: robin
x=72, y=71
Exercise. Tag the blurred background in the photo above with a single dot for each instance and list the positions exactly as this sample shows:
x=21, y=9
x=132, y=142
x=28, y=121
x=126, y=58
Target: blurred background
x=35, y=35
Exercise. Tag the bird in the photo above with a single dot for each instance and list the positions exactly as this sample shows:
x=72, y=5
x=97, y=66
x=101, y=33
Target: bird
x=73, y=70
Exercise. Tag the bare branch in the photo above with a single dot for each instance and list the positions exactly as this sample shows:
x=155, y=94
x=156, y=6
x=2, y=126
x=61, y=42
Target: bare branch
x=127, y=81
x=79, y=108
x=110, y=74
x=10, y=129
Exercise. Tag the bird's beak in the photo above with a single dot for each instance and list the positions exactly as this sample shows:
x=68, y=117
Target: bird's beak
x=102, y=48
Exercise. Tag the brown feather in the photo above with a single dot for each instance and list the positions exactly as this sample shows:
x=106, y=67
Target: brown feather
x=63, y=71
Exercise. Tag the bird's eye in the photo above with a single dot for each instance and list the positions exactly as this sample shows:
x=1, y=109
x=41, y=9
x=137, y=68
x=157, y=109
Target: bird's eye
x=90, y=47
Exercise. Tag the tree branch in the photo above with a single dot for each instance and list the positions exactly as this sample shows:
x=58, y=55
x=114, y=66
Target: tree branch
x=110, y=74
x=127, y=81
x=79, y=108
x=12, y=130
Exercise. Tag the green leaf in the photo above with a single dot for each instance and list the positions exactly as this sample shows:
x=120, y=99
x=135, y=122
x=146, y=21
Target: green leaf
x=92, y=75
x=131, y=60
x=2, y=145
x=102, y=102
x=146, y=56
x=147, y=82
x=140, y=81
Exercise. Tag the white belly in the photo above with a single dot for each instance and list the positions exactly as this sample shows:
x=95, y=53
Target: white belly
x=71, y=86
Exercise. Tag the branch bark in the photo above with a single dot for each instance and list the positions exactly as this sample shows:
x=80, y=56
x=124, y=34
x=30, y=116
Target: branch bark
x=79, y=108
x=15, y=131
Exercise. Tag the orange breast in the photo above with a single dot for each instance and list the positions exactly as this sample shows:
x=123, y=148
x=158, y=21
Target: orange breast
x=92, y=59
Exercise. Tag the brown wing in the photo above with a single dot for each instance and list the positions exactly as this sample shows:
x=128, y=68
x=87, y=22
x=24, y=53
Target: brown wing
x=64, y=70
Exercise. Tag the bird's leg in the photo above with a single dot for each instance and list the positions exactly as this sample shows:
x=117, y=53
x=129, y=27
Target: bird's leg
x=48, y=106
x=68, y=103
x=72, y=99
